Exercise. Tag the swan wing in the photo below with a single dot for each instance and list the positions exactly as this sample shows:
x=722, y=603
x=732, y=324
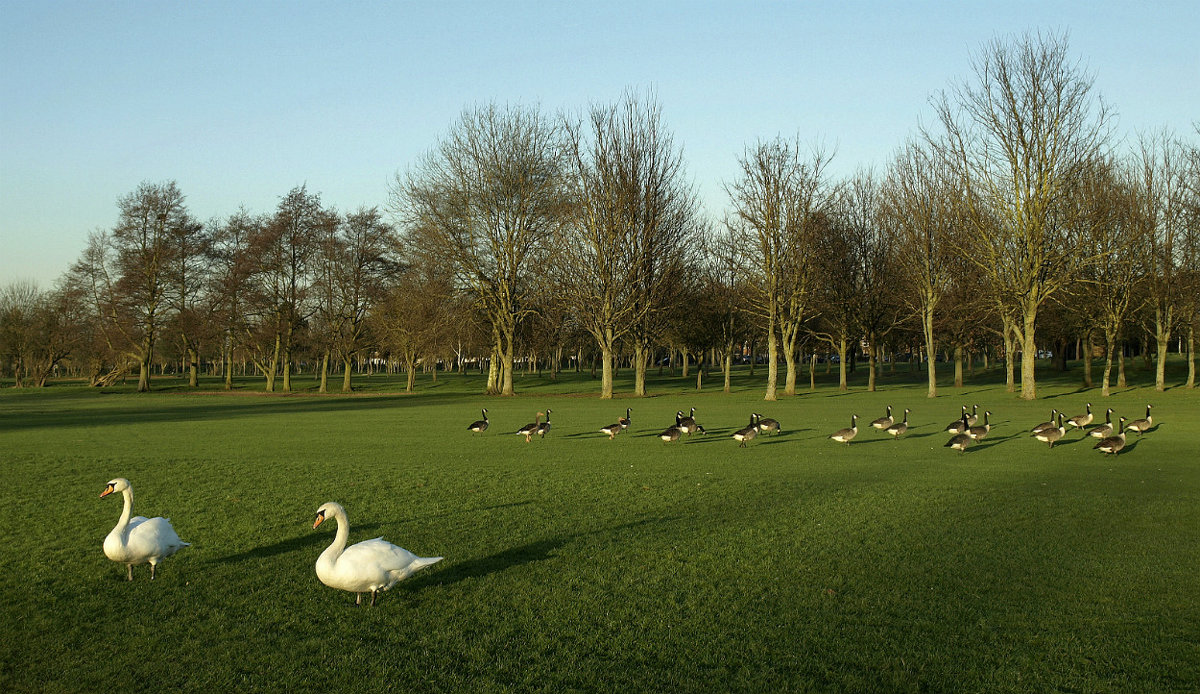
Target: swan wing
x=152, y=538
x=376, y=565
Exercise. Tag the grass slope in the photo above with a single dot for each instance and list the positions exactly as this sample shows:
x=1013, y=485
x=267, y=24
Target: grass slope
x=580, y=564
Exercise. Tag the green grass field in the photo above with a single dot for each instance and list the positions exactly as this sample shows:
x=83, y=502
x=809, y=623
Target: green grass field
x=582, y=564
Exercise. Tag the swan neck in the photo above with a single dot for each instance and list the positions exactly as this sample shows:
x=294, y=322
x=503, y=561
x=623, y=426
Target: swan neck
x=127, y=511
x=343, y=534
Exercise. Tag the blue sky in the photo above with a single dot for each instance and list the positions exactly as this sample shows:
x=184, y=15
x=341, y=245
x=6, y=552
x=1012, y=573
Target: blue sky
x=241, y=101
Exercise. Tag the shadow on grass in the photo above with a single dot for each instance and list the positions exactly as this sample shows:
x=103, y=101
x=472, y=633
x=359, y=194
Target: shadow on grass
x=503, y=560
x=520, y=555
x=289, y=545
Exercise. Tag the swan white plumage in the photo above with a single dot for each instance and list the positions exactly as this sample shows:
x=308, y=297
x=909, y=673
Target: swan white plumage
x=368, y=566
x=139, y=540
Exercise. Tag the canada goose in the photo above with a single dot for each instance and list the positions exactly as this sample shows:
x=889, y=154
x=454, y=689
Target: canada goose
x=748, y=432
x=767, y=425
x=845, y=435
x=1104, y=430
x=1141, y=426
x=530, y=429
x=885, y=421
x=1079, y=421
x=897, y=430
x=978, y=432
x=671, y=434
x=960, y=441
x=613, y=429
x=688, y=424
x=959, y=425
x=974, y=416
x=1113, y=444
x=1053, y=434
x=624, y=421
x=544, y=427
x=1045, y=425
x=480, y=426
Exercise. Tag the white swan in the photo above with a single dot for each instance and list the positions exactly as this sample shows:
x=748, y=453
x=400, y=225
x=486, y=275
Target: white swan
x=371, y=565
x=139, y=540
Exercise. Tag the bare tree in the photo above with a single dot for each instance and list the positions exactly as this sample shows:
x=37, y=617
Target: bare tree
x=368, y=248
x=284, y=250
x=860, y=207
x=125, y=272
x=1162, y=208
x=1017, y=139
x=919, y=212
x=186, y=273
x=633, y=228
x=1119, y=242
x=230, y=285
x=486, y=202
x=776, y=203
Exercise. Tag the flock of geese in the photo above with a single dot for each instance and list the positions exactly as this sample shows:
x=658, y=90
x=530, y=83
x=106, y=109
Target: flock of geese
x=373, y=566
x=965, y=430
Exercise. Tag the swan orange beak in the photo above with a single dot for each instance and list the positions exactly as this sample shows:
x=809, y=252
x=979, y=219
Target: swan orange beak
x=320, y=517
x=107, y=490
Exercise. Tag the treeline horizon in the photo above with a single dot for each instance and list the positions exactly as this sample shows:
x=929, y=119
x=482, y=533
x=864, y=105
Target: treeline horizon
x=1016, y=218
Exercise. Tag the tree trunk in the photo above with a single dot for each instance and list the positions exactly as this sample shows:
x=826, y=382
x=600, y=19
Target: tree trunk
x=1162, y=338
x=930, y=348
x=683, y=358
x=1121, y=367
x=228, y=346
x=1109, y=342
x=1029, y=352
x=193, y=365
x=1191, y=355
x=1087, y=361
x=639, y=369
x=772, y=365
x=287, y=360
x=958, y=366
x=787, y=340
x=727, y=367
x=410, y=367
x=324, y=373
x=606, y=359
x=842, y=348
x=144, y=364
x=506, y=369
x=812, y=372
x=347, y=370
x=870, y=362
x=493, y=379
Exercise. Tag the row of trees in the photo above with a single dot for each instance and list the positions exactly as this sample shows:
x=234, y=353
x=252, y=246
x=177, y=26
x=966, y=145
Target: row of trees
x=523, y=235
